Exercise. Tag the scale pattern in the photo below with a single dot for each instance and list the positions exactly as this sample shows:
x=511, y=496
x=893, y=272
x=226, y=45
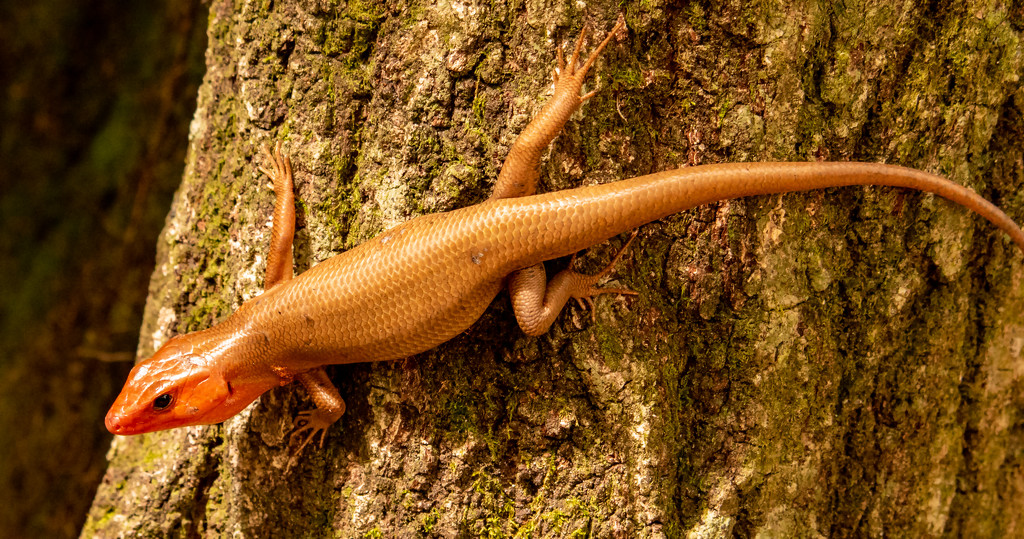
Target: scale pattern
x=423, y=282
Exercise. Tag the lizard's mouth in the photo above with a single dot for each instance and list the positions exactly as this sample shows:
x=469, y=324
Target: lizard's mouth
x=122, y=424
x=116, y=424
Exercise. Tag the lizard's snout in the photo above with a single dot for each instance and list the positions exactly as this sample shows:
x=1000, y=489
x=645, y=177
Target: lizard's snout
x=116, y=423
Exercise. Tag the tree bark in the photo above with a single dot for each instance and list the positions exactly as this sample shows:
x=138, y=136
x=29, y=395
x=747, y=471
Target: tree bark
x=842, y=362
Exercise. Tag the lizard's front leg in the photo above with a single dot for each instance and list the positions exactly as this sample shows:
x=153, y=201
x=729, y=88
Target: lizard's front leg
x=329, y=409
x=329, y=404
x=279, y=260
x=519, y=173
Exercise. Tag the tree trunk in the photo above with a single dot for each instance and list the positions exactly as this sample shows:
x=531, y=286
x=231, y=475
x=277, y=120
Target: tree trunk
x=841, y=362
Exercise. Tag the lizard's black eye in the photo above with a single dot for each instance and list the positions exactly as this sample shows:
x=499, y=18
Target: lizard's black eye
x=162, y=402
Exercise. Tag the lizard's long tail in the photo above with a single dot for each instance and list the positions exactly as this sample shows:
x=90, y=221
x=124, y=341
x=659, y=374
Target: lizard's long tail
x=564, y=222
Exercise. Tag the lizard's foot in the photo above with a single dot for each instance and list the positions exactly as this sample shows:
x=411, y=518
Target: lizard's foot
x=307, y=426
x=329, y=409
x=586, y=291
x=519, y=174
x=537, y=301
x=565, y=73
x=281, y=173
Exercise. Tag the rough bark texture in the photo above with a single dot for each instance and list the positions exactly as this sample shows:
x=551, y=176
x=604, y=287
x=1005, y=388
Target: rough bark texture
x=845, y=362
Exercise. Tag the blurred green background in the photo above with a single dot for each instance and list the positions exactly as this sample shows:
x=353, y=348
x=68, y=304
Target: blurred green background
x=97, y=99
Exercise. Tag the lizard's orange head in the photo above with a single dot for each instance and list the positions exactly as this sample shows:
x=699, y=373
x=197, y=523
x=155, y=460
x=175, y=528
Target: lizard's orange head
x=177, y=387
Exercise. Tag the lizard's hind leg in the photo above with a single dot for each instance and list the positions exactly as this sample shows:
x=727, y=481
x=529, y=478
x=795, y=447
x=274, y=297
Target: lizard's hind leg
x=537, y=301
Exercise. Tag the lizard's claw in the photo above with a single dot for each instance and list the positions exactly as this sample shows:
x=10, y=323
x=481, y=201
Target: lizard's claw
x=607, y=269
x=307, y=425
x=282, y=165
x=588, y=293
x=570, y=70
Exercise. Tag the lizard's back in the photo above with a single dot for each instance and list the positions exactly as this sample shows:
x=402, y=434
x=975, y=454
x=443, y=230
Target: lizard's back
x=423, y=282
x=407, y=290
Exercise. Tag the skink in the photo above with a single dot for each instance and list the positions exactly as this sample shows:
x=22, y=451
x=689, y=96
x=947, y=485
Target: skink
x=425, y=281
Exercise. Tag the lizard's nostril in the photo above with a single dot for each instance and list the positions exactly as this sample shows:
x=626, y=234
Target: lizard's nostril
x=114, y=423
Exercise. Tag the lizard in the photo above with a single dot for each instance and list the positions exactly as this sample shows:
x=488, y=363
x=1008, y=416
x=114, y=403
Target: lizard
x=425, y=281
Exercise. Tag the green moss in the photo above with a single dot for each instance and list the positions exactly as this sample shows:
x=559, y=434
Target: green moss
x=697, y=17
x=366, y=11
x=455, y=416
x=430, y=520
x=479, y=105
x=499, y=517
x=628, y=77
x=92, y=526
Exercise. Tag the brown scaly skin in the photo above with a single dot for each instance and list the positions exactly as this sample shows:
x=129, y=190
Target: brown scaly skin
x=425, y=281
